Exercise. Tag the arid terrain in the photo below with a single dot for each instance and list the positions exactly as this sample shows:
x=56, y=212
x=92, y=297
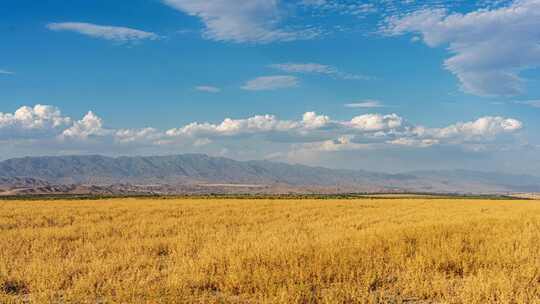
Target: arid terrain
x=203, y=174
x=194, y=250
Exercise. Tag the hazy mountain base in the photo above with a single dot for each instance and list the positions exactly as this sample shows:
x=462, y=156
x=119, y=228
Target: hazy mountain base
x=181, y=189
x=201, y=174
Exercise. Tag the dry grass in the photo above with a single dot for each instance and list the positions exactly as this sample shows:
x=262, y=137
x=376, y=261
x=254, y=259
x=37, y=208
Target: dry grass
x=270, y=251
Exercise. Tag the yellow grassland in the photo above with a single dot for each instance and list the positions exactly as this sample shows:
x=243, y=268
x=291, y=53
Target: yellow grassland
x=270, y=251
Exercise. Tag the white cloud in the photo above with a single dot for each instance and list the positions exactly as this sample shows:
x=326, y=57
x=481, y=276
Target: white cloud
x=266, y=83
x=414, y=142
x=483, y=127
x=376, y=122
x=38, y=120
x=266, y=21
x=313, y=121
x=39, y=116
x=489, y=48
x=342, y=143
x=6, y=72
x=208, y=89
x=232, y=127
x=107, y=32
x=44, y=126
x=255, y=21
x=365, y=104
x=316, y=68
x=136, y=135
x=320, y=131
x=90, y=125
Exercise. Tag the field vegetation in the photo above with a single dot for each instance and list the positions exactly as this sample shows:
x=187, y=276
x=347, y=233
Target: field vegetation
x=143, y=250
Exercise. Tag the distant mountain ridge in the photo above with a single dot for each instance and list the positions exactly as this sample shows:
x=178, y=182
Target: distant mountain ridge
x=194, y=169
x=519, y=182
x=177, y=169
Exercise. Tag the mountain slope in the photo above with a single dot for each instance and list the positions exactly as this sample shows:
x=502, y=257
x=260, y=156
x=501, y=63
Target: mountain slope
x=177, y=169
x=196, y=169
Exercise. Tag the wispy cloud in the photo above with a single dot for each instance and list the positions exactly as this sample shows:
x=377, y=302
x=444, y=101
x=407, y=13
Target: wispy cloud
x=6, y=72
x=342, y=7
x=266, y=83
x=532, y=103
x=368, y=103
x=304, y=68
x=208, y=89
x=489, y=47
x=251, y=21
x=313, y=2
x=107, y=32
x=316, y=68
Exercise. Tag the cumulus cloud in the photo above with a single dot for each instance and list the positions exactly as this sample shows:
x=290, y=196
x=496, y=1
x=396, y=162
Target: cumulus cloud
x=266, y=83
x=313, y=121
x=208, y=89
x=489, y=47
x=376, y=122
x=254, y=21
x=233, y=127
x=40, y=120
x=375, y=131
x=44, y=125
x=483, y=127
x=107, y=32
x=89, y=125
x=316, y=68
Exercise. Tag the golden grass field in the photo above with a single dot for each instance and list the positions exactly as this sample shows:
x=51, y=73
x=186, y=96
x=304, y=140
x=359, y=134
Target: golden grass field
x=270, y=251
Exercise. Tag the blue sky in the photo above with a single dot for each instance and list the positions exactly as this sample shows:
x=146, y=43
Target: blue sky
x=380, y=85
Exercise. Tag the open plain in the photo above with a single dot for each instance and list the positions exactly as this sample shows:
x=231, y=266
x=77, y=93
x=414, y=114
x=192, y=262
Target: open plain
x=195, y=250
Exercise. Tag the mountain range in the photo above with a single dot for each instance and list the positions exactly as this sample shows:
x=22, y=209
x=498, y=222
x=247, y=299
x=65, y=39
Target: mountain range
x=198, y=173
